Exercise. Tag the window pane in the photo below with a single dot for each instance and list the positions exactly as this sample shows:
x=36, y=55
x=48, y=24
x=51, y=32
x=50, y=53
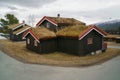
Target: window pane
x=35, y=43
x=90, y=41
x=28, y=40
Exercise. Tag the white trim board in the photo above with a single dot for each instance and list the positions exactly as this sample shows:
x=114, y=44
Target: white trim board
x=32, y=35
x=19, y=26
x=49, y=21
x=89, y=32
x=23, y=30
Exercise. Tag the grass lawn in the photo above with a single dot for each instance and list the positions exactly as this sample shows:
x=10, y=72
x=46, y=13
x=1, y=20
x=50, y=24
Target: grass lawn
x=19, y=52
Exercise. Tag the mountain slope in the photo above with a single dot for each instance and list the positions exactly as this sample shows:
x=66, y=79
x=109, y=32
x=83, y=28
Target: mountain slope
x=113, y=25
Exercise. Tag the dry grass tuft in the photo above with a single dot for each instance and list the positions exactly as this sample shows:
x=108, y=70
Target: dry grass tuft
x=19, y=52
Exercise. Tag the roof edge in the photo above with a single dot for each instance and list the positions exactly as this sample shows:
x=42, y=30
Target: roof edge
x=32, y=34
x=19, y=26
x=92, y=27
x=23, y=31
x=48, y=19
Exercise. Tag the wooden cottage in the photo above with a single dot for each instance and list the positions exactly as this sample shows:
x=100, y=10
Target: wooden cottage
x=57, y=23
x=40, y=40
x=17, y=30
x=80, y=40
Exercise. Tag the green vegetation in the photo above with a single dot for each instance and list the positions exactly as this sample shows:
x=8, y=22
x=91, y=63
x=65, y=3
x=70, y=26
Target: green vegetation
x=9, y=20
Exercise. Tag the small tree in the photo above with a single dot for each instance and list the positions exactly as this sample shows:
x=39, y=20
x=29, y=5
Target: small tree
x=9, y=20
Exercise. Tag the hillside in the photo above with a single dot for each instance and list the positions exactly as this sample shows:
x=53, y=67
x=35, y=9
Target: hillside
x=113, y=25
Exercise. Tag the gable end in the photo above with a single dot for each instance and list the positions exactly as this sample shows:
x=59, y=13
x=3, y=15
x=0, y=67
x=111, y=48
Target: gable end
x=23, y=31
x=32, y=34
x=48, y=19
x=91, y=29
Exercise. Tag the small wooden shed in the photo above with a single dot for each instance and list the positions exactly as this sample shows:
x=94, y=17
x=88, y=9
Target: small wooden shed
x=40, y=40
x=57, y=23
x=17, y=30
x=80, y=40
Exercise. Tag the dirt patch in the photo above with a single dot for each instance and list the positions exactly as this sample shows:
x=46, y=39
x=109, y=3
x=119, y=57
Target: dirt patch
x=18, y=51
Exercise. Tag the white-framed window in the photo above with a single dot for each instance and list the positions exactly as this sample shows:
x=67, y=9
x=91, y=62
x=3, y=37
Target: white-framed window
x=28, y=41
x=48, y=25
x=35, y=43
x=89, y=40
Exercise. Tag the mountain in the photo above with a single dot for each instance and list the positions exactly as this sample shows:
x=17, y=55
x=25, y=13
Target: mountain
x=113, y=25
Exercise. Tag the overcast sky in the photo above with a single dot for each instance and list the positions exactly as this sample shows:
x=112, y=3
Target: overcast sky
x=88, y=11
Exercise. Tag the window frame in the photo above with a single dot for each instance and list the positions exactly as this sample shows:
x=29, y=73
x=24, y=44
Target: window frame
x=35, y=43
x=89, y=40
x=28, y=40
x=47, y=25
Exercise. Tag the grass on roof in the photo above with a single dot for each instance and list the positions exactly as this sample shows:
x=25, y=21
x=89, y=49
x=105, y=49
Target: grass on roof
x=73, y=31
x=14, y=25
x=21, y=29
x=42, y=32
x=67, y=20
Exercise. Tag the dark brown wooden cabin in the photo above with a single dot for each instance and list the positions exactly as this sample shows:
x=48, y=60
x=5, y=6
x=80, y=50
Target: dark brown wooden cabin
x=40, y=40
x=57, y=23
x=17, y=30
x=80, y=40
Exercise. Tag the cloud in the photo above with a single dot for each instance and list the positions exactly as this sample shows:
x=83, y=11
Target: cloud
x=80, y=5
x=26, y=3
x=89, y=11
x=105, y=14
x=12, y=7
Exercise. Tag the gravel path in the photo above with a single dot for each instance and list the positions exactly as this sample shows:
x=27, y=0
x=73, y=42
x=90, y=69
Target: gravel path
x=114, y=47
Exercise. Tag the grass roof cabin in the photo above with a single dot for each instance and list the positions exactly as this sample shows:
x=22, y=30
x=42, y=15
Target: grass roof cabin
x=56, y=23
x=80, y=40
x=17, y=30
x=40, y=40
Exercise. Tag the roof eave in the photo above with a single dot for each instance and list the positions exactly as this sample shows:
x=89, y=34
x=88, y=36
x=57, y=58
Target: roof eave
x=23, y=31
x=18, y=26
x=32, y=34
x=48, y=19
x=93, y=27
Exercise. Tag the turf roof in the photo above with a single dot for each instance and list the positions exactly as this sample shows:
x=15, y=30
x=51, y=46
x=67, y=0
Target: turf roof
x=21, y=29
x=14, y=25
x=42, y=32
x=66, y=20
x=72, y=31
